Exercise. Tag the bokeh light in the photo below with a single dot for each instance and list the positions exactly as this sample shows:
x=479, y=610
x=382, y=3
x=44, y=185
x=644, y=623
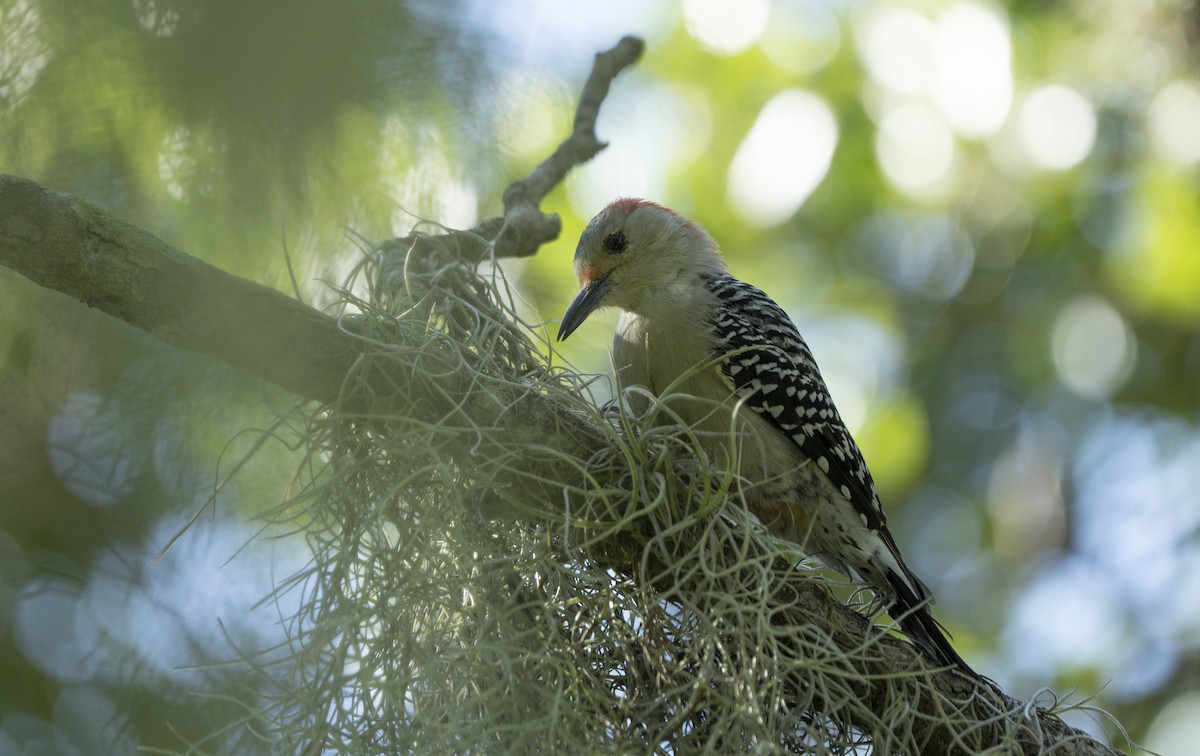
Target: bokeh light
x=896, y=46
x=1068, y=616
x=784, y=157
x=23, y=53
x=726, y=28
x=51, y=634
x=93, y=448
x=802, y=37
x=922, y=253
x=1025, y=497
x=1094, y=349
x=650, y=128
x=1176, y=729
x=1057, y=127
x=973, y=86
x=916, y=150
x=160, y=17
x=1174, y=122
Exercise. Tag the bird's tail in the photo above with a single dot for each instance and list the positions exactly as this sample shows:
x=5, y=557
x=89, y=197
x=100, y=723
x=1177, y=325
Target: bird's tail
x=912, y=613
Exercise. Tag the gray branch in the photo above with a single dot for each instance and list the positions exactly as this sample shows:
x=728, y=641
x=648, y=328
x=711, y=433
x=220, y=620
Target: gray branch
x=527, y=226
x=524, y=228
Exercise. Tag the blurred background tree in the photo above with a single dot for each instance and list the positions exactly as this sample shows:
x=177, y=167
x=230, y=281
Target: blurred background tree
x=984, y=218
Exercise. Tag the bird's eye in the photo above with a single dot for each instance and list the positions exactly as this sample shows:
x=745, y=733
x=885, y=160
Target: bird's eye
x=616, y=242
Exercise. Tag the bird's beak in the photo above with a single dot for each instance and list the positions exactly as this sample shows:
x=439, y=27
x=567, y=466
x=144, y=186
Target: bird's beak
x=587, y=300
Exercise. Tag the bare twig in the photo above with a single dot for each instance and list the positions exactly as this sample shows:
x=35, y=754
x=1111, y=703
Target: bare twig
x=524, y=227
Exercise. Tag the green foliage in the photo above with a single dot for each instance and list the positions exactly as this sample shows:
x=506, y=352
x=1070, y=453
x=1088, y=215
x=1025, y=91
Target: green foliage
x=1018, y=342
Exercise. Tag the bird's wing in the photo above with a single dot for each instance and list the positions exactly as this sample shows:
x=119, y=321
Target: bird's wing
x=774, y=373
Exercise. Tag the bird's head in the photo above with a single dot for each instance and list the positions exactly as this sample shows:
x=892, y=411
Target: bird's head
x=632, y=249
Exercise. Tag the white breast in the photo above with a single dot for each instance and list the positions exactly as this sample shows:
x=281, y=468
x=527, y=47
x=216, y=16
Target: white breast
x=675, y=365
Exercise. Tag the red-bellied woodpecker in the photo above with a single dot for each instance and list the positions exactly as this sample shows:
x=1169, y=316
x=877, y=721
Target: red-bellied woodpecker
x=733, y=360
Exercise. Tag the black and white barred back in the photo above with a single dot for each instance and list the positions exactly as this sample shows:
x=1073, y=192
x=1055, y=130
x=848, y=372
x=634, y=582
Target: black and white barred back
x=774, y=373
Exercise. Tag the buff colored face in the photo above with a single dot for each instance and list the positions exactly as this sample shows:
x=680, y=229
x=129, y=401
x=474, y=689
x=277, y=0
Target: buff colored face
x=627, y=249
x=595, y=278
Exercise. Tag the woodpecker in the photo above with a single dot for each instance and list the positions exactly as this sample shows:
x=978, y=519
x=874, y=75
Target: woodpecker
x=727, y=357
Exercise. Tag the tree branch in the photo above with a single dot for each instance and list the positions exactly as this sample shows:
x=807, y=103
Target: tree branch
x=63, y=243
x=527, y=226
x=524, y=227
